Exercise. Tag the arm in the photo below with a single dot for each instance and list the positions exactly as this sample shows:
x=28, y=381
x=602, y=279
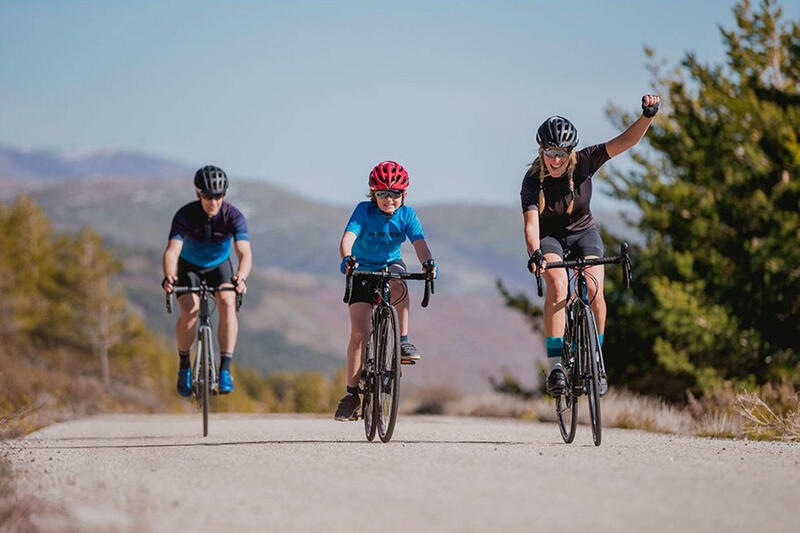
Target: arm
x=635, y=131
x=346, y=252
x=169, y=263
x=422, y=250
x=531, y=221
x=245, y=254
x=346, y=245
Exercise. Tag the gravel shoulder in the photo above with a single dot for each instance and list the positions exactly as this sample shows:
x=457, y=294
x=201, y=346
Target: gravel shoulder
x=309, y=473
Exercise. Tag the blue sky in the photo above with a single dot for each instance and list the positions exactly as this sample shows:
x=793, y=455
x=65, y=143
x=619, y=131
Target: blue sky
x=311, y=95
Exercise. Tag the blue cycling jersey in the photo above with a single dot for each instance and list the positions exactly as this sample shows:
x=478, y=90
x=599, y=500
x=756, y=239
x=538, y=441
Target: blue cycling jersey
x=379, y=236
x=207, y=241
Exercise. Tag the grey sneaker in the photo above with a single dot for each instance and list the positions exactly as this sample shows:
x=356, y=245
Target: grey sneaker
x=602, y=387
x=348, y=408
x=409, y=353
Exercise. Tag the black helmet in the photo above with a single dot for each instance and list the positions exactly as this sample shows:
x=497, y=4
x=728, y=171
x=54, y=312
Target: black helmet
x=211, y=180
x=558, y=132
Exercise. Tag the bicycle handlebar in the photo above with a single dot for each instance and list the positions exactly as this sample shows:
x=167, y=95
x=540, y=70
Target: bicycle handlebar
x=581, y=263
x=428, y=277
x=179, y=290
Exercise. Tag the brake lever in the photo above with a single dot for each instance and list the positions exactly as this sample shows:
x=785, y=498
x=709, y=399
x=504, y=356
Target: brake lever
x=627, y=275
x=169, y=302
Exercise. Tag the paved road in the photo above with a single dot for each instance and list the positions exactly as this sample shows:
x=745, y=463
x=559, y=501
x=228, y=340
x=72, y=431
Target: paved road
x=303, y=473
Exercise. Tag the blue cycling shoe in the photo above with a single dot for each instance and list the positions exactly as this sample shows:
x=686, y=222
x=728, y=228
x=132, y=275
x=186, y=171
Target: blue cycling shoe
x=225, y=382
x=185, y=382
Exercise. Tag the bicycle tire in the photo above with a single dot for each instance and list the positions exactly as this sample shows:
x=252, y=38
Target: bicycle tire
x=204, y=370
x=369, y=411
x=567, y=403
x=592, y=348
x=388, y=374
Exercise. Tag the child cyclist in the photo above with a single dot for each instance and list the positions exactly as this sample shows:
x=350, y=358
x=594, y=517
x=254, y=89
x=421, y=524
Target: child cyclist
x=371, y=242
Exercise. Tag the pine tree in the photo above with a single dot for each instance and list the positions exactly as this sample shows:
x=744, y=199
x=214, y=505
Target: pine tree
x=718, y=291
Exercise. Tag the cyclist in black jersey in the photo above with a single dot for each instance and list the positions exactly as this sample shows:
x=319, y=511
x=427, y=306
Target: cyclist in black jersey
x=198, y=249
x=556, y=193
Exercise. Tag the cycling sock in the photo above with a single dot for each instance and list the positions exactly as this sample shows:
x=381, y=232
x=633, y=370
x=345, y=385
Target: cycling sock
x=601, y=338
x=184, y=359
x=352, y=390
x=403, y=338
x=225, y=361
x=554, y=346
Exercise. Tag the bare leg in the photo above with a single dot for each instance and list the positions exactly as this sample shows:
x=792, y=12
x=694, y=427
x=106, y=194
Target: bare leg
x=596, y=294
x=400, y=289
x=360, y=327
x=228, y=321
x=555, y=298
x=185, y=333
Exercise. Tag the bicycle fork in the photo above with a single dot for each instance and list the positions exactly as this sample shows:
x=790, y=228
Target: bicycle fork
x=205, y=349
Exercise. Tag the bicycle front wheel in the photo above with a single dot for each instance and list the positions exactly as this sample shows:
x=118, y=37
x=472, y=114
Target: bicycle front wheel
x=388, y=375
x=567, y=403
x=369, y=405
x=204, y=353
x=591, y=346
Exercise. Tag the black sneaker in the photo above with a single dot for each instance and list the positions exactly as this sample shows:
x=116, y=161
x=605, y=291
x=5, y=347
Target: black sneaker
x=556, y=382
x=409, y=353
x=348, y=408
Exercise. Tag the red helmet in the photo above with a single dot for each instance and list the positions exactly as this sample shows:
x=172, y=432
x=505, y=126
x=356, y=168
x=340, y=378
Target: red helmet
x=388, y=175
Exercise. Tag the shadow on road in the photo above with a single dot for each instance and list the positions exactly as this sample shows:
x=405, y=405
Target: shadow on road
x=281, y=443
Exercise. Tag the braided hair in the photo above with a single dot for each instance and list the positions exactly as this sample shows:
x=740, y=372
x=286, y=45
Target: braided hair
x=539, y=167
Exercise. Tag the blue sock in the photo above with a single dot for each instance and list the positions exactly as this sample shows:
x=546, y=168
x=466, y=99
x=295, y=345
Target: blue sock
x=554, y=346
x=403, y=338
x=601, y=338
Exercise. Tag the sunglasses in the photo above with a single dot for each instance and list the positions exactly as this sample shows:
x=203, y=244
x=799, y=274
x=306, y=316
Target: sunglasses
x=390, y=193
x=212, y=196
x=557, y=152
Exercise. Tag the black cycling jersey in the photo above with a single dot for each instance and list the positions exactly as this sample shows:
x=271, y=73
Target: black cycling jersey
x=555, y=220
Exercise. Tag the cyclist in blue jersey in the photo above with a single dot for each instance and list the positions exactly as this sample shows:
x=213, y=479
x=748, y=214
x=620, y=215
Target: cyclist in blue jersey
x=199, y=248
x=371, y=241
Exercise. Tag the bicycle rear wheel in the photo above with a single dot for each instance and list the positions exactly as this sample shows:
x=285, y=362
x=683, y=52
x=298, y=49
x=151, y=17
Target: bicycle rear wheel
x=388, y=375
x=591, y=345
x=369, y=405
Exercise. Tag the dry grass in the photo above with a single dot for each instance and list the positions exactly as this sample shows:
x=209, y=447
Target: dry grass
x=766, y=413
x=763, y=423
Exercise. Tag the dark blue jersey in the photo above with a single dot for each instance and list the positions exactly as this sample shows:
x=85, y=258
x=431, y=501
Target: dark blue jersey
x=207, y=241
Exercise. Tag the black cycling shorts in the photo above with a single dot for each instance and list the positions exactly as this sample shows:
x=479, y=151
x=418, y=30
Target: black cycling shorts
x=190, y=275
x=364, y=288
x=581, y=244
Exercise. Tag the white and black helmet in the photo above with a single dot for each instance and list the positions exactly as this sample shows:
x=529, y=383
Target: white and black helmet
x=557, y=132
x=211, y=180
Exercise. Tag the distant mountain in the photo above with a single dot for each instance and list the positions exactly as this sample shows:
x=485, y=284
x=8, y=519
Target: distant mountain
x=294, y=318
x=51, y=165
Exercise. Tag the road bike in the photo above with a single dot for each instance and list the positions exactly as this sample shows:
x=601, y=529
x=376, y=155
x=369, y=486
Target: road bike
x=381, y=360
x=582, y=356
x=205, y=380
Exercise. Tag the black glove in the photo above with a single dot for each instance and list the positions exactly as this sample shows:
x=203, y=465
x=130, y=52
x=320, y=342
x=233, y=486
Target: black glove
x=650, y=110
x=535, y=259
